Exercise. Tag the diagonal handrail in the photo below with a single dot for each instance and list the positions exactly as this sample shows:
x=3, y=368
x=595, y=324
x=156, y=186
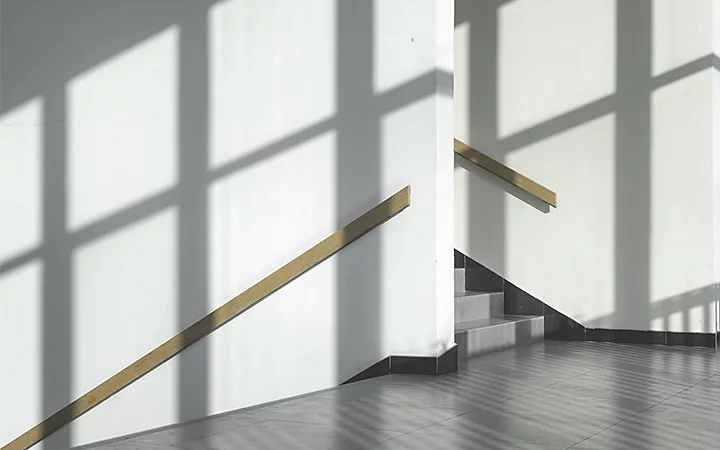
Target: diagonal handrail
x=214, y=320
x=502, y=171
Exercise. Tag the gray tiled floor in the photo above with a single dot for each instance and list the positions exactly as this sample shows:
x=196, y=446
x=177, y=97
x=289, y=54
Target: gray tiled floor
x=549, y=396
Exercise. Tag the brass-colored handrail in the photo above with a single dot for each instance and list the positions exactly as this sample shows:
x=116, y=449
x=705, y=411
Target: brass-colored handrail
x=211, y=322
x=501, y=170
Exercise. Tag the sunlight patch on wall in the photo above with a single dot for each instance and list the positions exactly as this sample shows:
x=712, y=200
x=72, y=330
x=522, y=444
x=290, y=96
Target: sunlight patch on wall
x=257, y=224
x=461, y=82
x=682, y=32
x=716, y=153
x=691, y=315
x=716, y=28
x=716, y=171
x=401, y=48
x=289, y=339
x=690, y=311
x=150, y=403
x=681, y=228
x=407, y=130
x=122, y=130
x=21, y=331
x=21, y=139
x=698, y=315
x=125, y=298
x=576, y=241
x=554, y=56
x=276, y=79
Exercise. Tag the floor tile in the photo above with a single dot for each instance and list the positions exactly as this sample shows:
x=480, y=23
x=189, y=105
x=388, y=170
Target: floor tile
x=532, y=367
x=692, y=399
x=541, y=429
x=552, y=395
x=426, y=441
x=589, y=387
x=133, y=445
x=689, y=416
x=363, y=391
x=470, y=434
x=441, y=394
x=403, y=379
x=356, y=414
x=548, y=401
x=194, y=430
x=646, y=433
x=452, y=397
x=291, y=436
x=493, y=380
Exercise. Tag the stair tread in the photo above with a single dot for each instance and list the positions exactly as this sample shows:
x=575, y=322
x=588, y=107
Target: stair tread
x=491, y=321
x=475, y=293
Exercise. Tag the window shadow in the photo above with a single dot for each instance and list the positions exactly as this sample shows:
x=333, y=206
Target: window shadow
x=632, y=162
x=486, y=208
x=46, y=46
x=357, y=181
x=631, y=105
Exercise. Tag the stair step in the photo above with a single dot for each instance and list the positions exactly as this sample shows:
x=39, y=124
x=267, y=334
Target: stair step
x=471, y=306
x=480, y=336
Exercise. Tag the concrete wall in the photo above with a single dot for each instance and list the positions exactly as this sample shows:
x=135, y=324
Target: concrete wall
x=608, y=104
x=158, y=158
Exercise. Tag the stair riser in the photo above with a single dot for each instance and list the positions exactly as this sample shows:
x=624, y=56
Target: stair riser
x=478, y=307
x=477, y=279
x=459, y=280
x=497, y=337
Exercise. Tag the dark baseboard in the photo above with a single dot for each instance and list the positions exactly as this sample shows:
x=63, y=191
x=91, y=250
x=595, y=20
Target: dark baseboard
x=414, y=365
x=559, y=327
x=448, y=362
x=626, y=336
x=708, y=340
x=669, y=338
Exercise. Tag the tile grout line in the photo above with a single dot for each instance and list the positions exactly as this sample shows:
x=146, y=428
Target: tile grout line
x=595, y=368
x=644, y=410
x=488, y=405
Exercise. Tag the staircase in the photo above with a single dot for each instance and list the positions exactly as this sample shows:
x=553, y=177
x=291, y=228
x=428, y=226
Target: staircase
x=481, y=325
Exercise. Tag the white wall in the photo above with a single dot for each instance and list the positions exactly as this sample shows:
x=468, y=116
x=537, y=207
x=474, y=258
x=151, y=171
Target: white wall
x=158, y=158
x=608, y=104
x=716, y=142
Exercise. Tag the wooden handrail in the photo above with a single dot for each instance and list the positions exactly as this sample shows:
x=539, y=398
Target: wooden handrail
x=211, y=322
x=501, y=170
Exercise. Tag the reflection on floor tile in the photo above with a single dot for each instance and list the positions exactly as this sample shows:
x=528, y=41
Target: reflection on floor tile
x=553, y=395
